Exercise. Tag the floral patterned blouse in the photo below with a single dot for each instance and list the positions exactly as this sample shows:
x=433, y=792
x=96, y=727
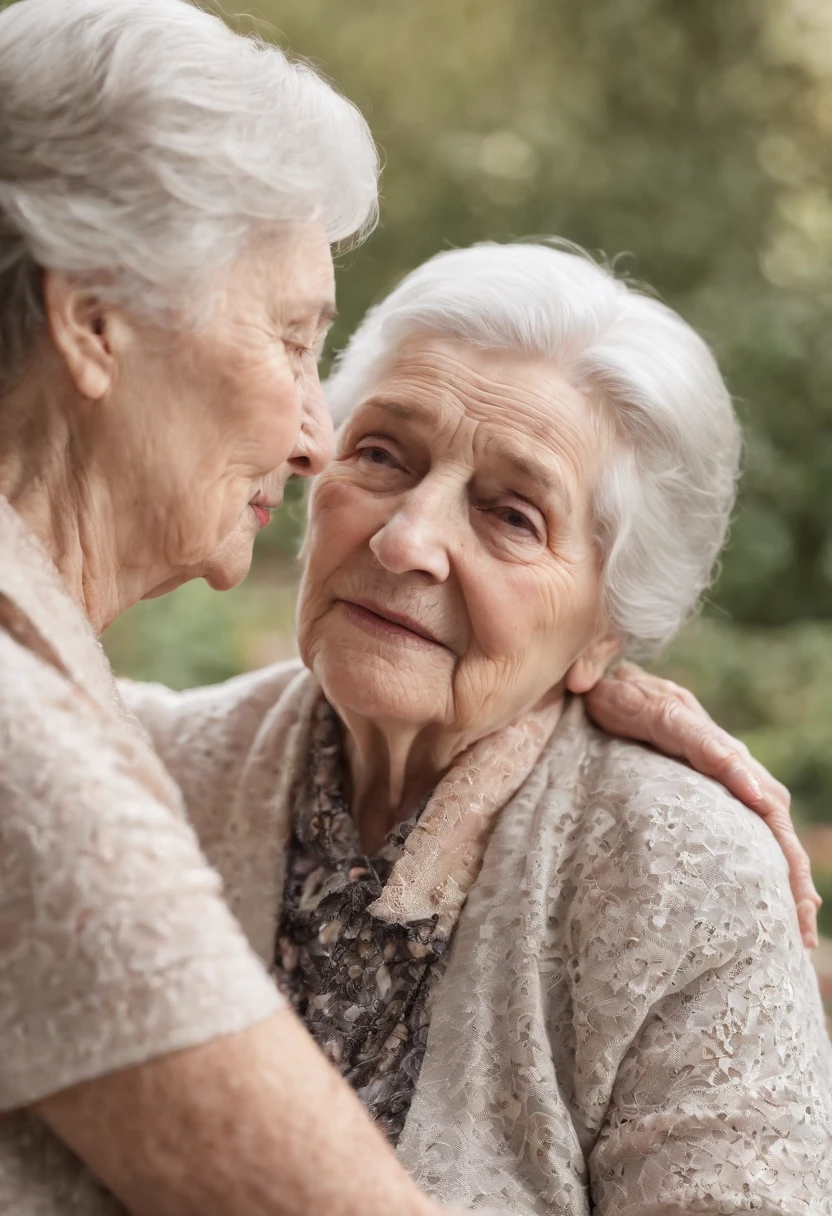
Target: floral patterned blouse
x=360, y=985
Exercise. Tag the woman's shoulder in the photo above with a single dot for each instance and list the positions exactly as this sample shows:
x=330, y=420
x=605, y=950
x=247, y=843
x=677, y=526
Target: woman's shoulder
x=664, y=885
x=225, y=716
x=115, y=944
x=649, y=804
x=216, y=740
x=44, y=706
x=658, y=848
x=675, y=820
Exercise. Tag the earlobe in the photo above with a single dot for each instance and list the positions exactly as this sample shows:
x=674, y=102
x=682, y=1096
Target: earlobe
x=590, y=666
x=78, y=327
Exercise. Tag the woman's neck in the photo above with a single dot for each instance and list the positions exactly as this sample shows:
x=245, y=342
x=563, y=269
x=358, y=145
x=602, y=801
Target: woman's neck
x=392, y=768
x=53, y=485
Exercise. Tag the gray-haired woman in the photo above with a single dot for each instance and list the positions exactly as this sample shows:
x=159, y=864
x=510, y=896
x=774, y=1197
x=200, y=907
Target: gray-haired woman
x=168, y=196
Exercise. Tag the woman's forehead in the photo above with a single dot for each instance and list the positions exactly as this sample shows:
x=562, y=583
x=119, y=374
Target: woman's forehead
x=523, y=410
x=428, y=373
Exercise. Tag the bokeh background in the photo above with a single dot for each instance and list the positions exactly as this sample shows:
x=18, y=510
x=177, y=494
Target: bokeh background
x=694, y=139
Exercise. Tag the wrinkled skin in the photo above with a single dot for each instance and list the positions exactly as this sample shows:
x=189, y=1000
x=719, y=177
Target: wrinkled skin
x=460, y=497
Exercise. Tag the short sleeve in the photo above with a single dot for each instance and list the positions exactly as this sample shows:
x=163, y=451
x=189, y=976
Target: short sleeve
x=115, y=943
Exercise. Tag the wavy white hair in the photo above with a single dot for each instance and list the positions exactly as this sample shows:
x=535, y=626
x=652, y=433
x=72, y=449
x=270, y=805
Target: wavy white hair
x=142, y=142
x=663, y=505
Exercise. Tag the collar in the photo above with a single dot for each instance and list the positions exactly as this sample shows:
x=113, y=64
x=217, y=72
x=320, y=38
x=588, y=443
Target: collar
x=443, y=854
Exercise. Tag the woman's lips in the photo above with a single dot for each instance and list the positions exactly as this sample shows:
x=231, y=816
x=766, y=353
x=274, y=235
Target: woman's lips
x=262, y=514
x=381, y=626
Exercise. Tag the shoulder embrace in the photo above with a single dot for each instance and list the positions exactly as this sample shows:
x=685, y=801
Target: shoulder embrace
x=678, y=853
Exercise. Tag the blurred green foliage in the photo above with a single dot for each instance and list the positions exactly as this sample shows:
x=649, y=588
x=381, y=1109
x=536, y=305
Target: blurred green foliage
x=697, y=140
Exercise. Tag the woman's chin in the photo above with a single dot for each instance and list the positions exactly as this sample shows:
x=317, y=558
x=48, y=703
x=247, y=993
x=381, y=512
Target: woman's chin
x=228, y=574
x=165, y=588
x=376, y=687
x=232, y=562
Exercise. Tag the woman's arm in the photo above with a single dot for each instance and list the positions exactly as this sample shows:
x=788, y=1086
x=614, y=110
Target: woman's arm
x=254, y=1124
x=634, y=704
x=134, y=1019
x=720, y=1107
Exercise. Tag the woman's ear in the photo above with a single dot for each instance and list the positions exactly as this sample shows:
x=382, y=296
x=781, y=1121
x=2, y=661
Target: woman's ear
x=78, y=326
x=590, y=666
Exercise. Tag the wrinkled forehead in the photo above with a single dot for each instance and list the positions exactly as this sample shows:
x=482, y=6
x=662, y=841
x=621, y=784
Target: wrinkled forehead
x=290, y=271
x=513, y=402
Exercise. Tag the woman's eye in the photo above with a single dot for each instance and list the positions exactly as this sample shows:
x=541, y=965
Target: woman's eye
x=377, y=456
x=297, y=351
x=516, y=520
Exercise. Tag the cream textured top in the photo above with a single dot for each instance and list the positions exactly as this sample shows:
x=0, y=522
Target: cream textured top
x=628, y=1024
x=115, y=943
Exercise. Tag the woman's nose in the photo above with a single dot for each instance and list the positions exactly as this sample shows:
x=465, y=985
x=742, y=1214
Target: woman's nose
x=415, y=540
x=313, y=449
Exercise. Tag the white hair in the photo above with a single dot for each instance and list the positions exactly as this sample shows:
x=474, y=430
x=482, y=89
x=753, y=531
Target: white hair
x=663, y=504
x=142, y=142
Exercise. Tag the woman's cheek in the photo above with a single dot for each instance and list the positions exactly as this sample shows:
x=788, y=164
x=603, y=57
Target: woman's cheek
x=506, y=610
x=343, y=513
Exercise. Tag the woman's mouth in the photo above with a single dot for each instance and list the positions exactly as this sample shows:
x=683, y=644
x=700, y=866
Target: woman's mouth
x=262, y=511
x=392, y=627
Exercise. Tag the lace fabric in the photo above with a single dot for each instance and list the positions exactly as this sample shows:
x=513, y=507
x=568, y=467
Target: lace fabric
x=628, y=1024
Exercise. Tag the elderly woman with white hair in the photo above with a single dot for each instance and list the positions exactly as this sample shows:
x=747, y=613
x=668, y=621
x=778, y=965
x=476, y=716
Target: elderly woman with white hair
x=564, y=973
x=169, y=192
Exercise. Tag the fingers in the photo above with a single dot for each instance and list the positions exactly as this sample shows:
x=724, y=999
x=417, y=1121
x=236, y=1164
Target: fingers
x=803, y=888
x=807, y=916
x=620, y=704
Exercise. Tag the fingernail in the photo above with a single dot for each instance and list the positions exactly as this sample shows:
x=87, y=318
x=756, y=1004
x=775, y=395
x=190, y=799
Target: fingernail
x=754, y=787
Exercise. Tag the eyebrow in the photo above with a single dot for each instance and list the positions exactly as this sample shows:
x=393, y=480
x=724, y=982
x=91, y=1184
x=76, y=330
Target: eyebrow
x=407, y=413
x=325, y=311
x=327, y=314
x=524, y=467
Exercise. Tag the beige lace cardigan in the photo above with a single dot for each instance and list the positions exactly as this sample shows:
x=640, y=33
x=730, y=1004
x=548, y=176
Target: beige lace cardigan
x=628, y=1025
x=115, y=943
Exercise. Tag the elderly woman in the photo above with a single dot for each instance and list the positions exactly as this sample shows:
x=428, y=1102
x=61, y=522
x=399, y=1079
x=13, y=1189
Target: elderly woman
x=563, y=972
x=168, y=195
